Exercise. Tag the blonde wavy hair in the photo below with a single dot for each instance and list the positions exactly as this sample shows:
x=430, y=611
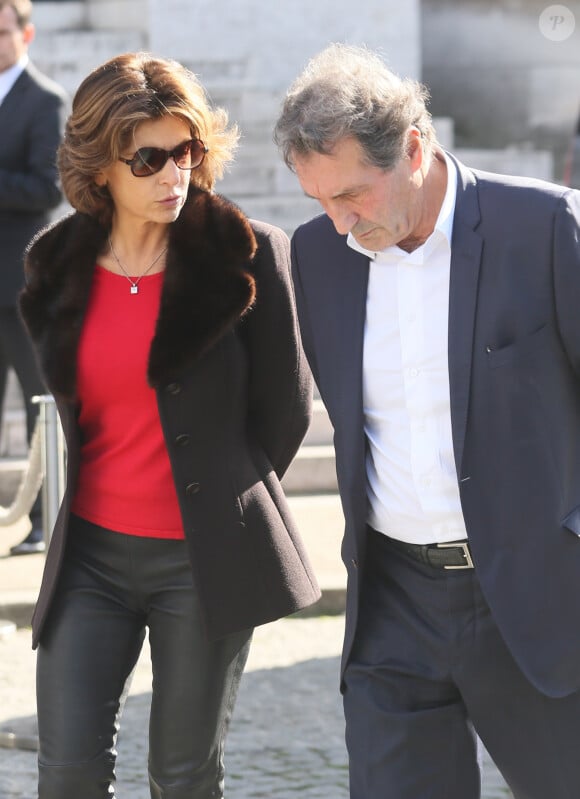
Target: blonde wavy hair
x=112, y=101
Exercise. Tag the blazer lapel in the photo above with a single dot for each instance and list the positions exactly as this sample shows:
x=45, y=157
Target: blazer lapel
x=353, y=307
x=466, y=251
x=352, y=285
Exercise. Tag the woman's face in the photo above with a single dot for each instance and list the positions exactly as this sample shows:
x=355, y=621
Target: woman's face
x=157, y=198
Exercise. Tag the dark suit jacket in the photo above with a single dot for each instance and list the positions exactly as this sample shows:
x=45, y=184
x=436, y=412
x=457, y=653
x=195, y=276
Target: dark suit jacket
x=514, y=364
x=32, y=118
x=233, y=390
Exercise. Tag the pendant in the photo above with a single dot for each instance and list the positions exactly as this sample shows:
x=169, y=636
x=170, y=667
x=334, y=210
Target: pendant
x=134, y=288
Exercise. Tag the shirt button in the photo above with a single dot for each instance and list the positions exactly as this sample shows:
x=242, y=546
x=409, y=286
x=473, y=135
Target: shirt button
x=174, y=388
x=192, y=488
x=182, y=440
x=413, y=372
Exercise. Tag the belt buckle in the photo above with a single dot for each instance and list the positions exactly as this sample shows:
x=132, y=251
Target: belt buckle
x=466, y=554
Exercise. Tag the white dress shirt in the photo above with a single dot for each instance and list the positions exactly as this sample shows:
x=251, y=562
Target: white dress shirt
x=9, y=77
x=411, y=477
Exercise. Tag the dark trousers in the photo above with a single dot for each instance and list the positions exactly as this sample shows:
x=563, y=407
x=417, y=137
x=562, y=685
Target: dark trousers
x=16, y=352
x=429, y=668
x=114, y=587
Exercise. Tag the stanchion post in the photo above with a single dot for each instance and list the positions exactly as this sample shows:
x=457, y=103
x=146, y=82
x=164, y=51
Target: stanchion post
x=53, y=461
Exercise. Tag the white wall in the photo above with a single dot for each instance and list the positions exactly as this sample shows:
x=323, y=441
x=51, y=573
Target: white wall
x=504, y=82
x=266, y=44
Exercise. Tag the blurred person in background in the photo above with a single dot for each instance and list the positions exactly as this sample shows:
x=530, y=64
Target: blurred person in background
x=32, y=115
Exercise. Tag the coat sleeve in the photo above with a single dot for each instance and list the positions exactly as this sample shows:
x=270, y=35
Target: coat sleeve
x=280, y=383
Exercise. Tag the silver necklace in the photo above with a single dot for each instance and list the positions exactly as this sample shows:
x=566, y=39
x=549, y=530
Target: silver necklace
x=135, y=283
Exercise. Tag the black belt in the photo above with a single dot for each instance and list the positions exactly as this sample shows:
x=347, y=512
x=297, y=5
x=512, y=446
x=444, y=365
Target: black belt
x=448, y=555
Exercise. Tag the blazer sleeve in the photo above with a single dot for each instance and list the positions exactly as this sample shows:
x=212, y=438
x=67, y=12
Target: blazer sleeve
x=280, y=382
x=30, y=183
x=566, y=270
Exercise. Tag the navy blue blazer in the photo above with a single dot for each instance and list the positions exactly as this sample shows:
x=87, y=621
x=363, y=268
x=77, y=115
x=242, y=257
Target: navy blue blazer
x=32, y=119
x=514, y=367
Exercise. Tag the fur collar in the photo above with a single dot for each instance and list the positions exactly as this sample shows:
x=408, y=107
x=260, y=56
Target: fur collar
x=208, y=286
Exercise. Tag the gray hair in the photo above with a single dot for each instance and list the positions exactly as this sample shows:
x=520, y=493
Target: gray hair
x=348, y=91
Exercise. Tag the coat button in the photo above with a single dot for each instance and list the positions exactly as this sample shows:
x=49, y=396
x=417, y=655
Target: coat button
x=354, y=563
x=182, y=440
x=192, y=488
x=174, y=388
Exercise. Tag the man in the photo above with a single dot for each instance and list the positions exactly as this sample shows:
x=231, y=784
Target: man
x=439, y=313
x=32, y=115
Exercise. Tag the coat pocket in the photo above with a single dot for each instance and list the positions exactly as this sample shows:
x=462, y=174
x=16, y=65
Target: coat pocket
x=572, y=521
x=522, y=348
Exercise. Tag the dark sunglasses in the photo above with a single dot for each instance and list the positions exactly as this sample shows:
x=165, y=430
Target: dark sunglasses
x=149, y=160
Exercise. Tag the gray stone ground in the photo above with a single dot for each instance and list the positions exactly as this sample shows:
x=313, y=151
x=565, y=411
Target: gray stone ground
x=286, y=738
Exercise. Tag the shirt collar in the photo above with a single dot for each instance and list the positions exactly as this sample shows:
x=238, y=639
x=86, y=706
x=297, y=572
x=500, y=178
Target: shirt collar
x=443, y=225
x=9, y=77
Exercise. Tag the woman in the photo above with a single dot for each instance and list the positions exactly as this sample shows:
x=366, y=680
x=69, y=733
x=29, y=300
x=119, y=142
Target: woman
x=166, y=331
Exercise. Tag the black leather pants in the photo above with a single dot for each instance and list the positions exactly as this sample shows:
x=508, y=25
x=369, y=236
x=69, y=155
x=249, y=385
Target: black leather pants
x=113, y=588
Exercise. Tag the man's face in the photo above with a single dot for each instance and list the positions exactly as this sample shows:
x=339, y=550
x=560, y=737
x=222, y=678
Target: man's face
x=14, y=41
x=379, y=207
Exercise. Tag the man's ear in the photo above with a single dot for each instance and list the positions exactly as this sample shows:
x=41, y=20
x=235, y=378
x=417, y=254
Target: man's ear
x=415, y=148
x=28, y=34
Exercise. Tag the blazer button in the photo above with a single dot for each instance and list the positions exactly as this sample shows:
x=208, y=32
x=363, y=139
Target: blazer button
x=182, y=440
x=192, y=488
x=174, y=388
x=354, y=563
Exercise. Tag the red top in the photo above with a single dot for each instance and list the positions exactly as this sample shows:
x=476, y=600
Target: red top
x=125, y=480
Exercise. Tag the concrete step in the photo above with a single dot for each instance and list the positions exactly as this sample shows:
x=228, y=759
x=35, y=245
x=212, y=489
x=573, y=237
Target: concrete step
x=13, y=426
x=67, y=56
x=320, y=430
x=48, y=16
x=13, y=433
x=510, y=161
x=287, y=212
x=313, y=471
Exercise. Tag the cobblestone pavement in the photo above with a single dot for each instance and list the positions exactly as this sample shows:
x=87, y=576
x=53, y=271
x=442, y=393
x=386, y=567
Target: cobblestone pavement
x=286, y=738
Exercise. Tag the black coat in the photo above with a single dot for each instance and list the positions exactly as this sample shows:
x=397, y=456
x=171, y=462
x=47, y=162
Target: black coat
x=233, y=391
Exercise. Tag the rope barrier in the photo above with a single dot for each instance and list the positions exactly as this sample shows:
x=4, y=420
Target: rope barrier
x=29, y=484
